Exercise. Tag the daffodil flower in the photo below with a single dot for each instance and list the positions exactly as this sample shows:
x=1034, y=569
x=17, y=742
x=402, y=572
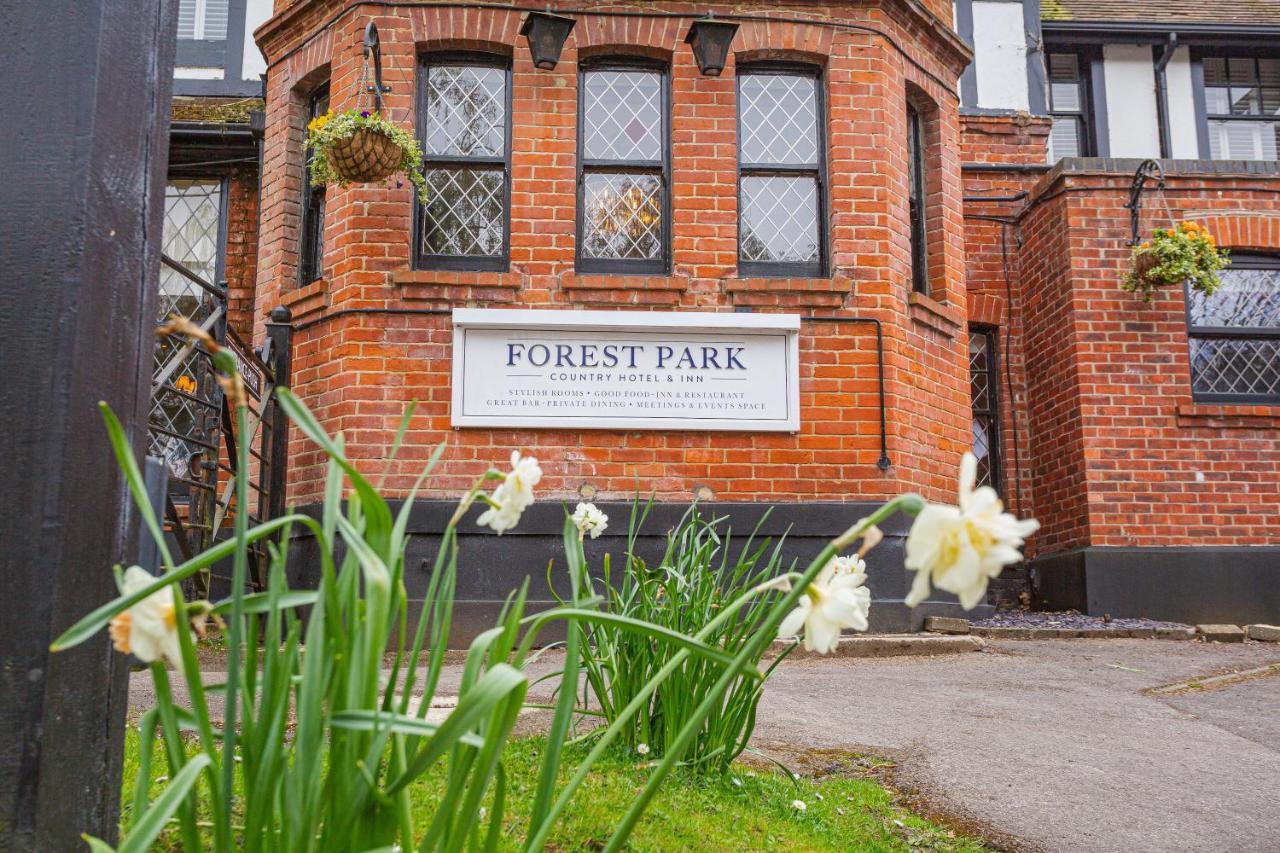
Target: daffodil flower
x=513, y=495
x=959, y=549
x=589, y=520
x=149, y=629
x=837, y=599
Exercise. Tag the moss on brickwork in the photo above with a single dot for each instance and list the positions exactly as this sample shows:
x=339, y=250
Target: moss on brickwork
x=215, y=110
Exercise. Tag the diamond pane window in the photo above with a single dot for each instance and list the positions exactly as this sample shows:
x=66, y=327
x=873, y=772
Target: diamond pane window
x=311, y=232
x=1242, y=107
x=465, y=212
x=192, y=236
x=464, y=108
x=779, y=219
x=781, y=154
x=623, y=169
x=983, y=385
x=623, y=112
x=1235, y=334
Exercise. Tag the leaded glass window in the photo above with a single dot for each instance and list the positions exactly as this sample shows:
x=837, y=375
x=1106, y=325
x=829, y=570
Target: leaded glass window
x=623, y=168
x=983, y=391
x=1242, y=107
x=311, y=250
x=916, y=206
x=193, y=236
x=1235, y=334
x=464, y=108
x=781, y=154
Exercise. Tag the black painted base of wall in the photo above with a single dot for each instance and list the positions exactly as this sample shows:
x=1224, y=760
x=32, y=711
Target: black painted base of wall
x=491, y=566
x=1195, y=585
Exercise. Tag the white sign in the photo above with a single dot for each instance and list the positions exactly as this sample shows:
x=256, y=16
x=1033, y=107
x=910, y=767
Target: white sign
x=626, y=370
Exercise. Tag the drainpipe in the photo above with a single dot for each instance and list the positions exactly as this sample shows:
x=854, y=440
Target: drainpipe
x=1162, y=96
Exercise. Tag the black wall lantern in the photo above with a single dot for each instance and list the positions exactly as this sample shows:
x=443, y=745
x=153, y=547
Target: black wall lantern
x=546, y=34
x=711, y=39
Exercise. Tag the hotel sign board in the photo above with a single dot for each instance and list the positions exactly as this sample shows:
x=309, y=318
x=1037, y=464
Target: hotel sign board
x=626, y=370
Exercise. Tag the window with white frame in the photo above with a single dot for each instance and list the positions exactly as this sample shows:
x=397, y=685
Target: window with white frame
x=203, y=20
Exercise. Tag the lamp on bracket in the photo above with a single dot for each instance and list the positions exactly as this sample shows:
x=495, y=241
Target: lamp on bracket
x=710, y=39
x=546, y=34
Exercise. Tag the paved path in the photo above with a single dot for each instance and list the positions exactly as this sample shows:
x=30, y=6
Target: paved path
x=1051, y=745
x=1055, y=744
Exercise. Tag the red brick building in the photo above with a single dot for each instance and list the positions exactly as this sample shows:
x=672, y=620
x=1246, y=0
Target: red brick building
x=935, y=191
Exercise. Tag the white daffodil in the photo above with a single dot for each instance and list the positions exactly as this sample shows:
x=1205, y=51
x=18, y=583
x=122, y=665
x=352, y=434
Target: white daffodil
x=959, y=549
x=837, y=599
x=590, y=520
x=149, y=629
x=513, y=495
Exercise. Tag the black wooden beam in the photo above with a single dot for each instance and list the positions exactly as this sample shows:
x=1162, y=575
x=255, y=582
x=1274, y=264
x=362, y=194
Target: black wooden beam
x=86, y=100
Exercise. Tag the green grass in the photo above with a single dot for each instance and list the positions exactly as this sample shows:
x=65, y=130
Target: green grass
x=844, y=812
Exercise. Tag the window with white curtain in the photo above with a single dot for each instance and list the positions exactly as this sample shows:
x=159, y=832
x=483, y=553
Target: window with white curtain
x=1242, y=107
x=202, y=20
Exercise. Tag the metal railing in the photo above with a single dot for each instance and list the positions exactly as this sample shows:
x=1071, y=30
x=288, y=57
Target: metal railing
x=193, y=430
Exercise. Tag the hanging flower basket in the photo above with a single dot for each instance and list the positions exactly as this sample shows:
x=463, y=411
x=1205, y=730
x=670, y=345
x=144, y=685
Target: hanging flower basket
x=362, y=147
x=1174, y=255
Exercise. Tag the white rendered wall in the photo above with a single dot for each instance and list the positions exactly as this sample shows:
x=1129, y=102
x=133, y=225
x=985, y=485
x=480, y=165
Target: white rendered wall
x=1131, y=100
x=1000, y=55
x=193, y=72
x=256, y=11
x=1182, y=107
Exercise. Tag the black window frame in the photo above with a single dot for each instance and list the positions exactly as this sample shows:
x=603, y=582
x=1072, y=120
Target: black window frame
x=918, y=200
x=585, y=165
x=1198, y=55
x=468, y=263
x=311, y=218
x=992, y=412
x=787, y=269
x=1242, y=260
x=1092, y=116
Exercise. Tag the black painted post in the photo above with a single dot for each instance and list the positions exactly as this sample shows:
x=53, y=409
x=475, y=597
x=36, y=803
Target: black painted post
x=85, y=143
x=280, y=331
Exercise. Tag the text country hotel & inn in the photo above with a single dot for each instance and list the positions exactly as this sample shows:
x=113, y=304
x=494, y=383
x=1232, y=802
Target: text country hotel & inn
x=884, y=232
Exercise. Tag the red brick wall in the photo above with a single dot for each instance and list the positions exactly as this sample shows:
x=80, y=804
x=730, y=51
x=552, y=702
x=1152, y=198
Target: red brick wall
x=241, y=266
x=358, y=370
x=994, y=147
x=1121, y=453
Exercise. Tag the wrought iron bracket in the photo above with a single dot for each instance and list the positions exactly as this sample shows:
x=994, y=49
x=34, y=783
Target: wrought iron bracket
x=373, y=45
x=1147, y=171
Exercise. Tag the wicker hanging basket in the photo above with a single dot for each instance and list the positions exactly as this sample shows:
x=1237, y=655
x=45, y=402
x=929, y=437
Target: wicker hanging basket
x=1143, y=264
x=365, y=156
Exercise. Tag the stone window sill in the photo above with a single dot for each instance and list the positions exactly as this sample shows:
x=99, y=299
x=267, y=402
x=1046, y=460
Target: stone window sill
x=624, y=289
x=938, y=316
x=1228, y=416
x=457, y=286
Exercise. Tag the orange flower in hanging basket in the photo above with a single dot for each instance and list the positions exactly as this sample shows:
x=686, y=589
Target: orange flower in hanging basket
x=365, y=156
